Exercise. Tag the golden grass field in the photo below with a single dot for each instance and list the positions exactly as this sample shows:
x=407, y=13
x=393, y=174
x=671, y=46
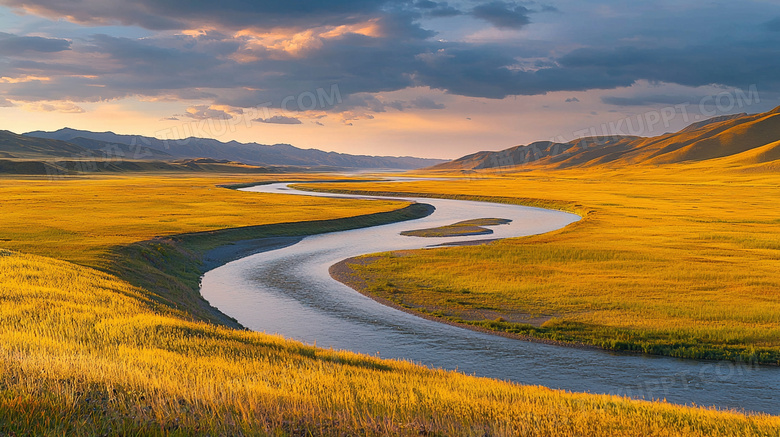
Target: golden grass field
x=84, y=352
x=679, y=260
x=79, y=219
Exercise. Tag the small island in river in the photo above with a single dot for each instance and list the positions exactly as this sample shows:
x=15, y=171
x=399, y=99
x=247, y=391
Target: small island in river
x=464, y=228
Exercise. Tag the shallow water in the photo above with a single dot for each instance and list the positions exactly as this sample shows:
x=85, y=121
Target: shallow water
x=289, y=291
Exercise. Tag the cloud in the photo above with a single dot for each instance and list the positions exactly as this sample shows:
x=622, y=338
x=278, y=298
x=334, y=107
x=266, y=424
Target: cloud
x=644, y=100
x=265, y=52
x=230, y=14
x=491, y=72
x=773, y=25
x=205, y=112
x=740, y=64
x=279, y=119
x=502, y=14
x=4, y=103
x=572, y=100
x=423, y=102
x=200, y=67
x=368, y=102
x=437, y=9
x=12, y=44
x=64, y=107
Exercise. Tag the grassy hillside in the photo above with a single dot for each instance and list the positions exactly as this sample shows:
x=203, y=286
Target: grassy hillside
x=679, y=261
x=711, y=139
x=85, y=352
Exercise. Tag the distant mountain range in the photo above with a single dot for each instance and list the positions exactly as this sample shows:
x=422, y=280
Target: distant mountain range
x=739, y=139
x=39, y=156
x=73, y=142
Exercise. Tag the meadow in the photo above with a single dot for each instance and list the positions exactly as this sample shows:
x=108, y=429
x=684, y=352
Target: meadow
x=93, y=341
x=679, y=260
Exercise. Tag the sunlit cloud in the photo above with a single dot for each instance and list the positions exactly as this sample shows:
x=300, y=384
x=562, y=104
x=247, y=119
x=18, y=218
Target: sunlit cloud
x=24, y=78
x=64, y=107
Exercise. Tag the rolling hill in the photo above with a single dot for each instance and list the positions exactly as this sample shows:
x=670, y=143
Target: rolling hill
x=249, y=153
x=749, y=139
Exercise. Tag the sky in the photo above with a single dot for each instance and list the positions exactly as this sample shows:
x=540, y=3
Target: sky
x=385, y=77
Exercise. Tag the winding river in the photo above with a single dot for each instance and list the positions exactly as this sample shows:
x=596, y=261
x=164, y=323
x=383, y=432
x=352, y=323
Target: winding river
x=289, y=291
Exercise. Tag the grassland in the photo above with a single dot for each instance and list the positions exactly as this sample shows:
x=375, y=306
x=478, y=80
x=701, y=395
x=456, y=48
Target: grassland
x=86, y=350
x=82, y=219
x=680, y=261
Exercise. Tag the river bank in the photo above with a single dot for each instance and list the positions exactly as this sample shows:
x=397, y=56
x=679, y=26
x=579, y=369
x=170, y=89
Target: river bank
x=170, y=267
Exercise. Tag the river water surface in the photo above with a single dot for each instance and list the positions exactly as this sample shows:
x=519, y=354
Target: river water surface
x=289, y=291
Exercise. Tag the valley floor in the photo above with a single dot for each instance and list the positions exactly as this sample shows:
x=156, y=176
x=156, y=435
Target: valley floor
x=102, y=331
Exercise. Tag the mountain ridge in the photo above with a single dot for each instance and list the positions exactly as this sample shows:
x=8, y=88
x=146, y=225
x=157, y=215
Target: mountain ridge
x=248, y=153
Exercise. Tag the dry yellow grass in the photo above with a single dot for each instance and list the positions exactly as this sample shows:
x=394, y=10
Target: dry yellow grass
x=79, y=219
x=83, y=352
x=80, y=354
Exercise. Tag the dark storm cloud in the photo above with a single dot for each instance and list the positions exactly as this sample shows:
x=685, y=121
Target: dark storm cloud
x=360, y=65
x=241, y=14
x=226, y=69
x=142, y=65
x=437, y=9
x=12, y=44
x=503, y=14
x=184, y=14
x=200, y=67
x=489, y=72
x=402, y=25
x=738, y=64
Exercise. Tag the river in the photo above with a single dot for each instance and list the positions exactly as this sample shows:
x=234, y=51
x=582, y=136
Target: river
x=288, y=291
